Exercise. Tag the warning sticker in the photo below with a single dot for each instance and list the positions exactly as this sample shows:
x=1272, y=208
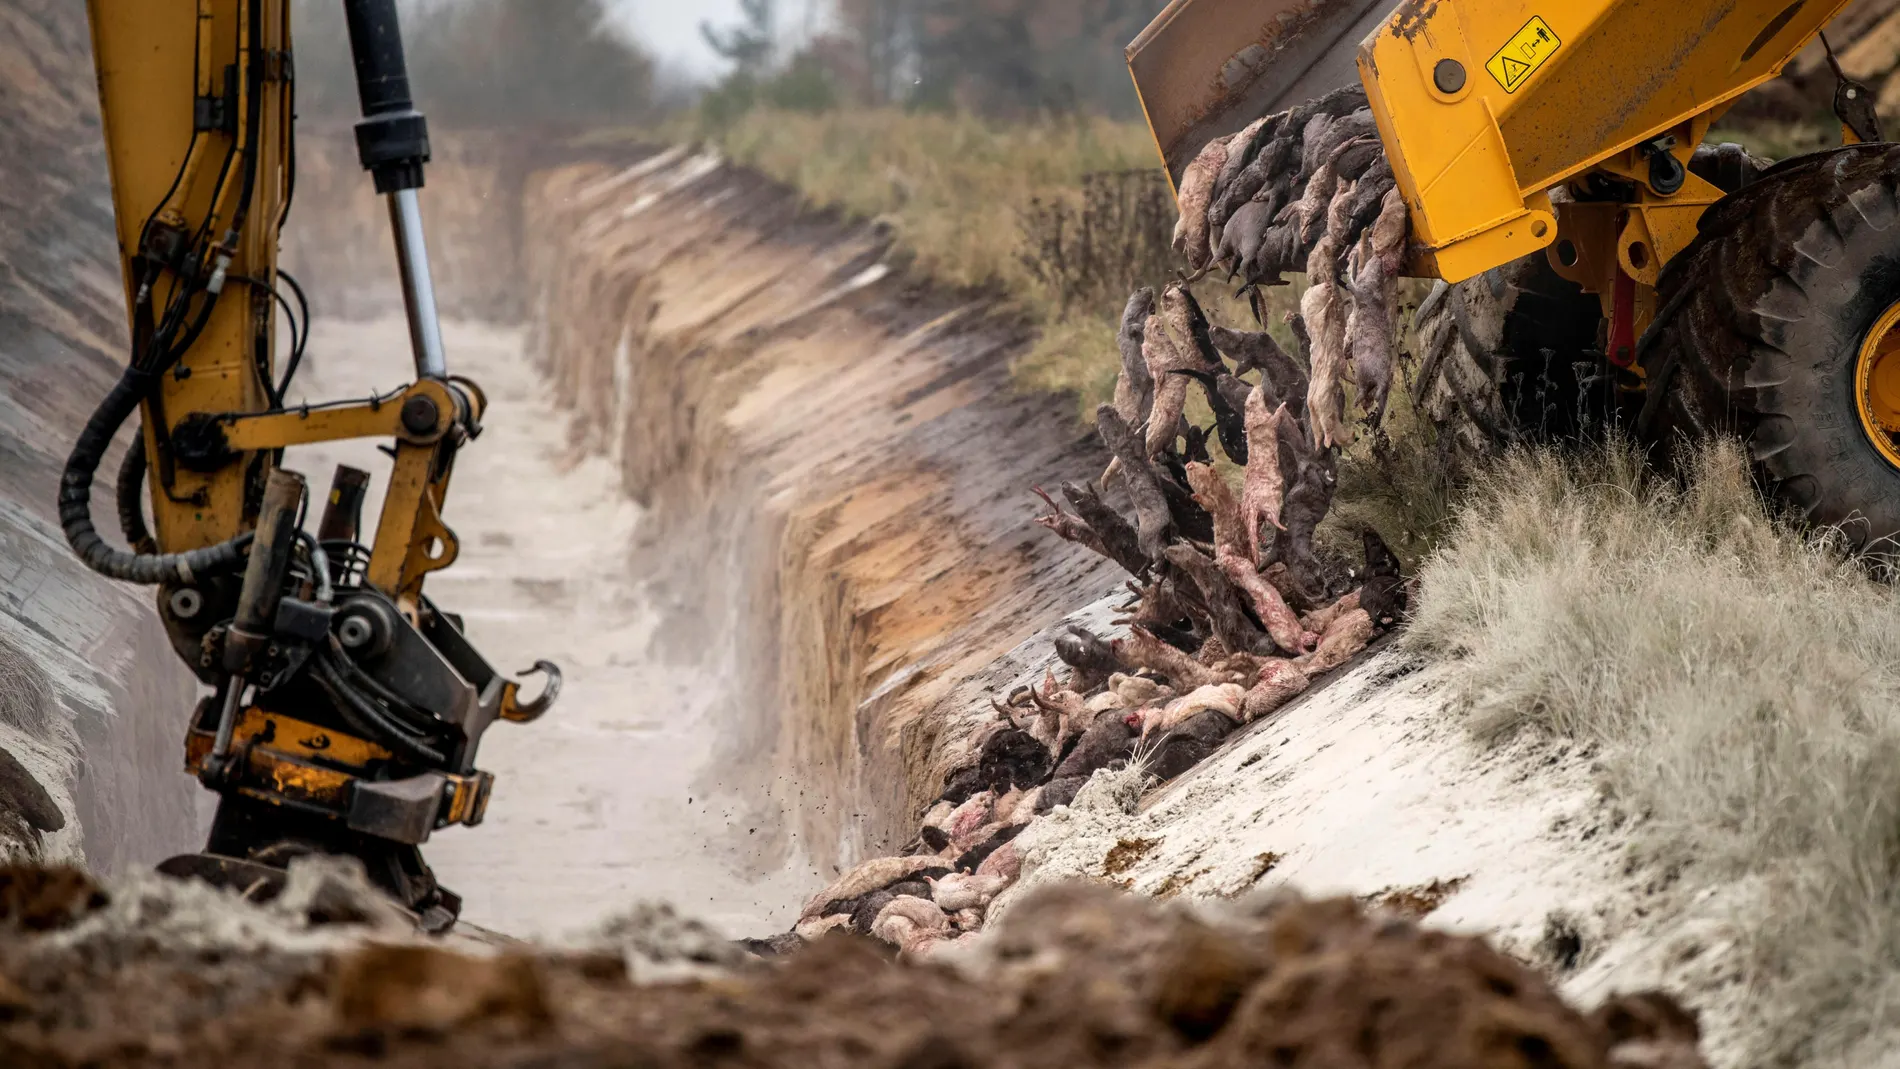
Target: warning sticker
x=1530, y=49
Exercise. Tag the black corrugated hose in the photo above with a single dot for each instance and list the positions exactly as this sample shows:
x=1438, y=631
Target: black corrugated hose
x=75, y=502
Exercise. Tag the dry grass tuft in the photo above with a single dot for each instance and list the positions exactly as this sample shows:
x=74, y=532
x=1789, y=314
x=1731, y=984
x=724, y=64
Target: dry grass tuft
x=1740, y=677
x=27, y=701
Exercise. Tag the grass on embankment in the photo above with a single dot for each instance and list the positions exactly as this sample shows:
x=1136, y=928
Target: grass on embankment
x=954, y=187
x=1741, y=680
x=978, y=204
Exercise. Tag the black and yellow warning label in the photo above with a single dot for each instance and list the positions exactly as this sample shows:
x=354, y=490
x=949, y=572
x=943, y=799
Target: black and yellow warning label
x=1530, y=49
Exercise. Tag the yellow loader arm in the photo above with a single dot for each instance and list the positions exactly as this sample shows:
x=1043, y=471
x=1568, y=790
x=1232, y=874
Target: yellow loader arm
x=1484, y=105
x=1557, y=148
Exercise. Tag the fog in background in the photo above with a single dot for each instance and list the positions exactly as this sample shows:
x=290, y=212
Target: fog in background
x=627, y=62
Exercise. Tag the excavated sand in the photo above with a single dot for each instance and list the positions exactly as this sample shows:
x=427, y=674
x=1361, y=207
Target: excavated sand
x=615, y=796
x=1080, y=976
x=1371, y=787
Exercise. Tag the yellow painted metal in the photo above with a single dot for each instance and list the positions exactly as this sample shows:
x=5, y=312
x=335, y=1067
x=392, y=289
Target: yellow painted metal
x=154, y=58
x=1585, y=83
x=377, y=418
x=1877, y=385
x=281, y=429
x=292, y=759
x=150, y=70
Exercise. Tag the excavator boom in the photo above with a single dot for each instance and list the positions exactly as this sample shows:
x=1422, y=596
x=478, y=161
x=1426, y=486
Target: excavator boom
x=345, y=708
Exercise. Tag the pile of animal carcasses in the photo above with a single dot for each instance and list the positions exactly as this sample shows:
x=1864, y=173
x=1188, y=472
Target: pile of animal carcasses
x=1234, y=612
x=1310, y=189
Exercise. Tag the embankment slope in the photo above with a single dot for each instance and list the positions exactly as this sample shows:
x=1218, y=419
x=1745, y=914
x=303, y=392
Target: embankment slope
x=94, y=674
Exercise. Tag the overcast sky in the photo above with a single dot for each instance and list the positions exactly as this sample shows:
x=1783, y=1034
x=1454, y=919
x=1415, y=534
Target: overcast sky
x=670, y=28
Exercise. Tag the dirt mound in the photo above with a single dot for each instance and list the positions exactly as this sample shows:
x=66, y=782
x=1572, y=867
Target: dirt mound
x=1077, y=975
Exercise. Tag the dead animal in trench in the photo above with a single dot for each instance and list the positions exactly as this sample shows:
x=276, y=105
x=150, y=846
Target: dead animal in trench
x=1319, y=620
x=868, y=909
x=1141, y=651
x=1279, y=682
x=1269, y=605
x=865, y=878
x=1089, y=655
x=1342, y=642
x=1137, y=691
x=1134, y=388
x=1224, y=698
x=1109, y=739
x=1013, y=758
x=1006, y=861
x=1189, y=744
x=1120, y=542
x=1197, y=189
x=967, y=890
x=912, y=925
x=1153, y=523
x=1229, y=622
x=1263, y=492
x=1068, y=528
x=970, y=815
x=1062, y=792
x=812, y=929
x=972, y=859
x=1384, y=595
x=1227, y=399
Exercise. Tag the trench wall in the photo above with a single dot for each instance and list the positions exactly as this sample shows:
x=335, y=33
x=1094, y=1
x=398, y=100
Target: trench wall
x=92, y=701
x=835, y=466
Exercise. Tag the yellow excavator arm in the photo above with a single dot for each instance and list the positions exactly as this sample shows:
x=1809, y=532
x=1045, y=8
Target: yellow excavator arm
x=346, y=707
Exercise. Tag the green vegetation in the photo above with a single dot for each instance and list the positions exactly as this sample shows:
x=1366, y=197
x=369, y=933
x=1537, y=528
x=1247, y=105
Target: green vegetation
x=1064, y=218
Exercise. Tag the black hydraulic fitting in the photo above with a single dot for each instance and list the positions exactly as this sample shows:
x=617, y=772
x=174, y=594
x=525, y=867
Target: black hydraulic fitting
x=392, y=139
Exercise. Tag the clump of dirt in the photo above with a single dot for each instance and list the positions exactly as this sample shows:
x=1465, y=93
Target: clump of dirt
x=1078, y=975
x=1126, y=854
x=1416, y=902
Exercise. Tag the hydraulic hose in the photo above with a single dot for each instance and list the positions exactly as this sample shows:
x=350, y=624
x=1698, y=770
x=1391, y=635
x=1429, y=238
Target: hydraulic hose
x=131, y=506
x=363, y=715
x=405, y=715
x=75, y=502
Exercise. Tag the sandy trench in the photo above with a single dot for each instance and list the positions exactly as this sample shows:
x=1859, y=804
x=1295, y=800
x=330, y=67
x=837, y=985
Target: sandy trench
x=614, y=796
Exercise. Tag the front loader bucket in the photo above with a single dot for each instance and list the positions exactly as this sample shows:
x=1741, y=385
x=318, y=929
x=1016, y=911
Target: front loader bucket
x=1206, y=68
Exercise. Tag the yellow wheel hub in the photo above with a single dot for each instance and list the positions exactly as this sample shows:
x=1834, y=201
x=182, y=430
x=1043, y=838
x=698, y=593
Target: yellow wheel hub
x=1877, y=385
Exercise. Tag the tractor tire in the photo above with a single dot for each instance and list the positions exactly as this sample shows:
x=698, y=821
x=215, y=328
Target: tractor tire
x=1762, y=326
x=1512, y=355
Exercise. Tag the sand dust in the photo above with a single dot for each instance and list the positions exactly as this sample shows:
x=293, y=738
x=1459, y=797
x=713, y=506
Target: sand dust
x=611, y=799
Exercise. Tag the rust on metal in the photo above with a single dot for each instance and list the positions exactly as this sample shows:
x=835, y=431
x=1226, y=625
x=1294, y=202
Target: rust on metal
x=1410, y=18
x=1206, y=68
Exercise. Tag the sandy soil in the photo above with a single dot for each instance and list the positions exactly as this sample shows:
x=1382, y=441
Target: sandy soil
x=613, y=797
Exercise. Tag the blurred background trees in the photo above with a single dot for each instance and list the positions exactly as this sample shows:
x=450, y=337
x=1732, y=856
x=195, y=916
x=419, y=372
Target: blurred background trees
x=501, y=62
x=492, y=63
x=998, y=58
